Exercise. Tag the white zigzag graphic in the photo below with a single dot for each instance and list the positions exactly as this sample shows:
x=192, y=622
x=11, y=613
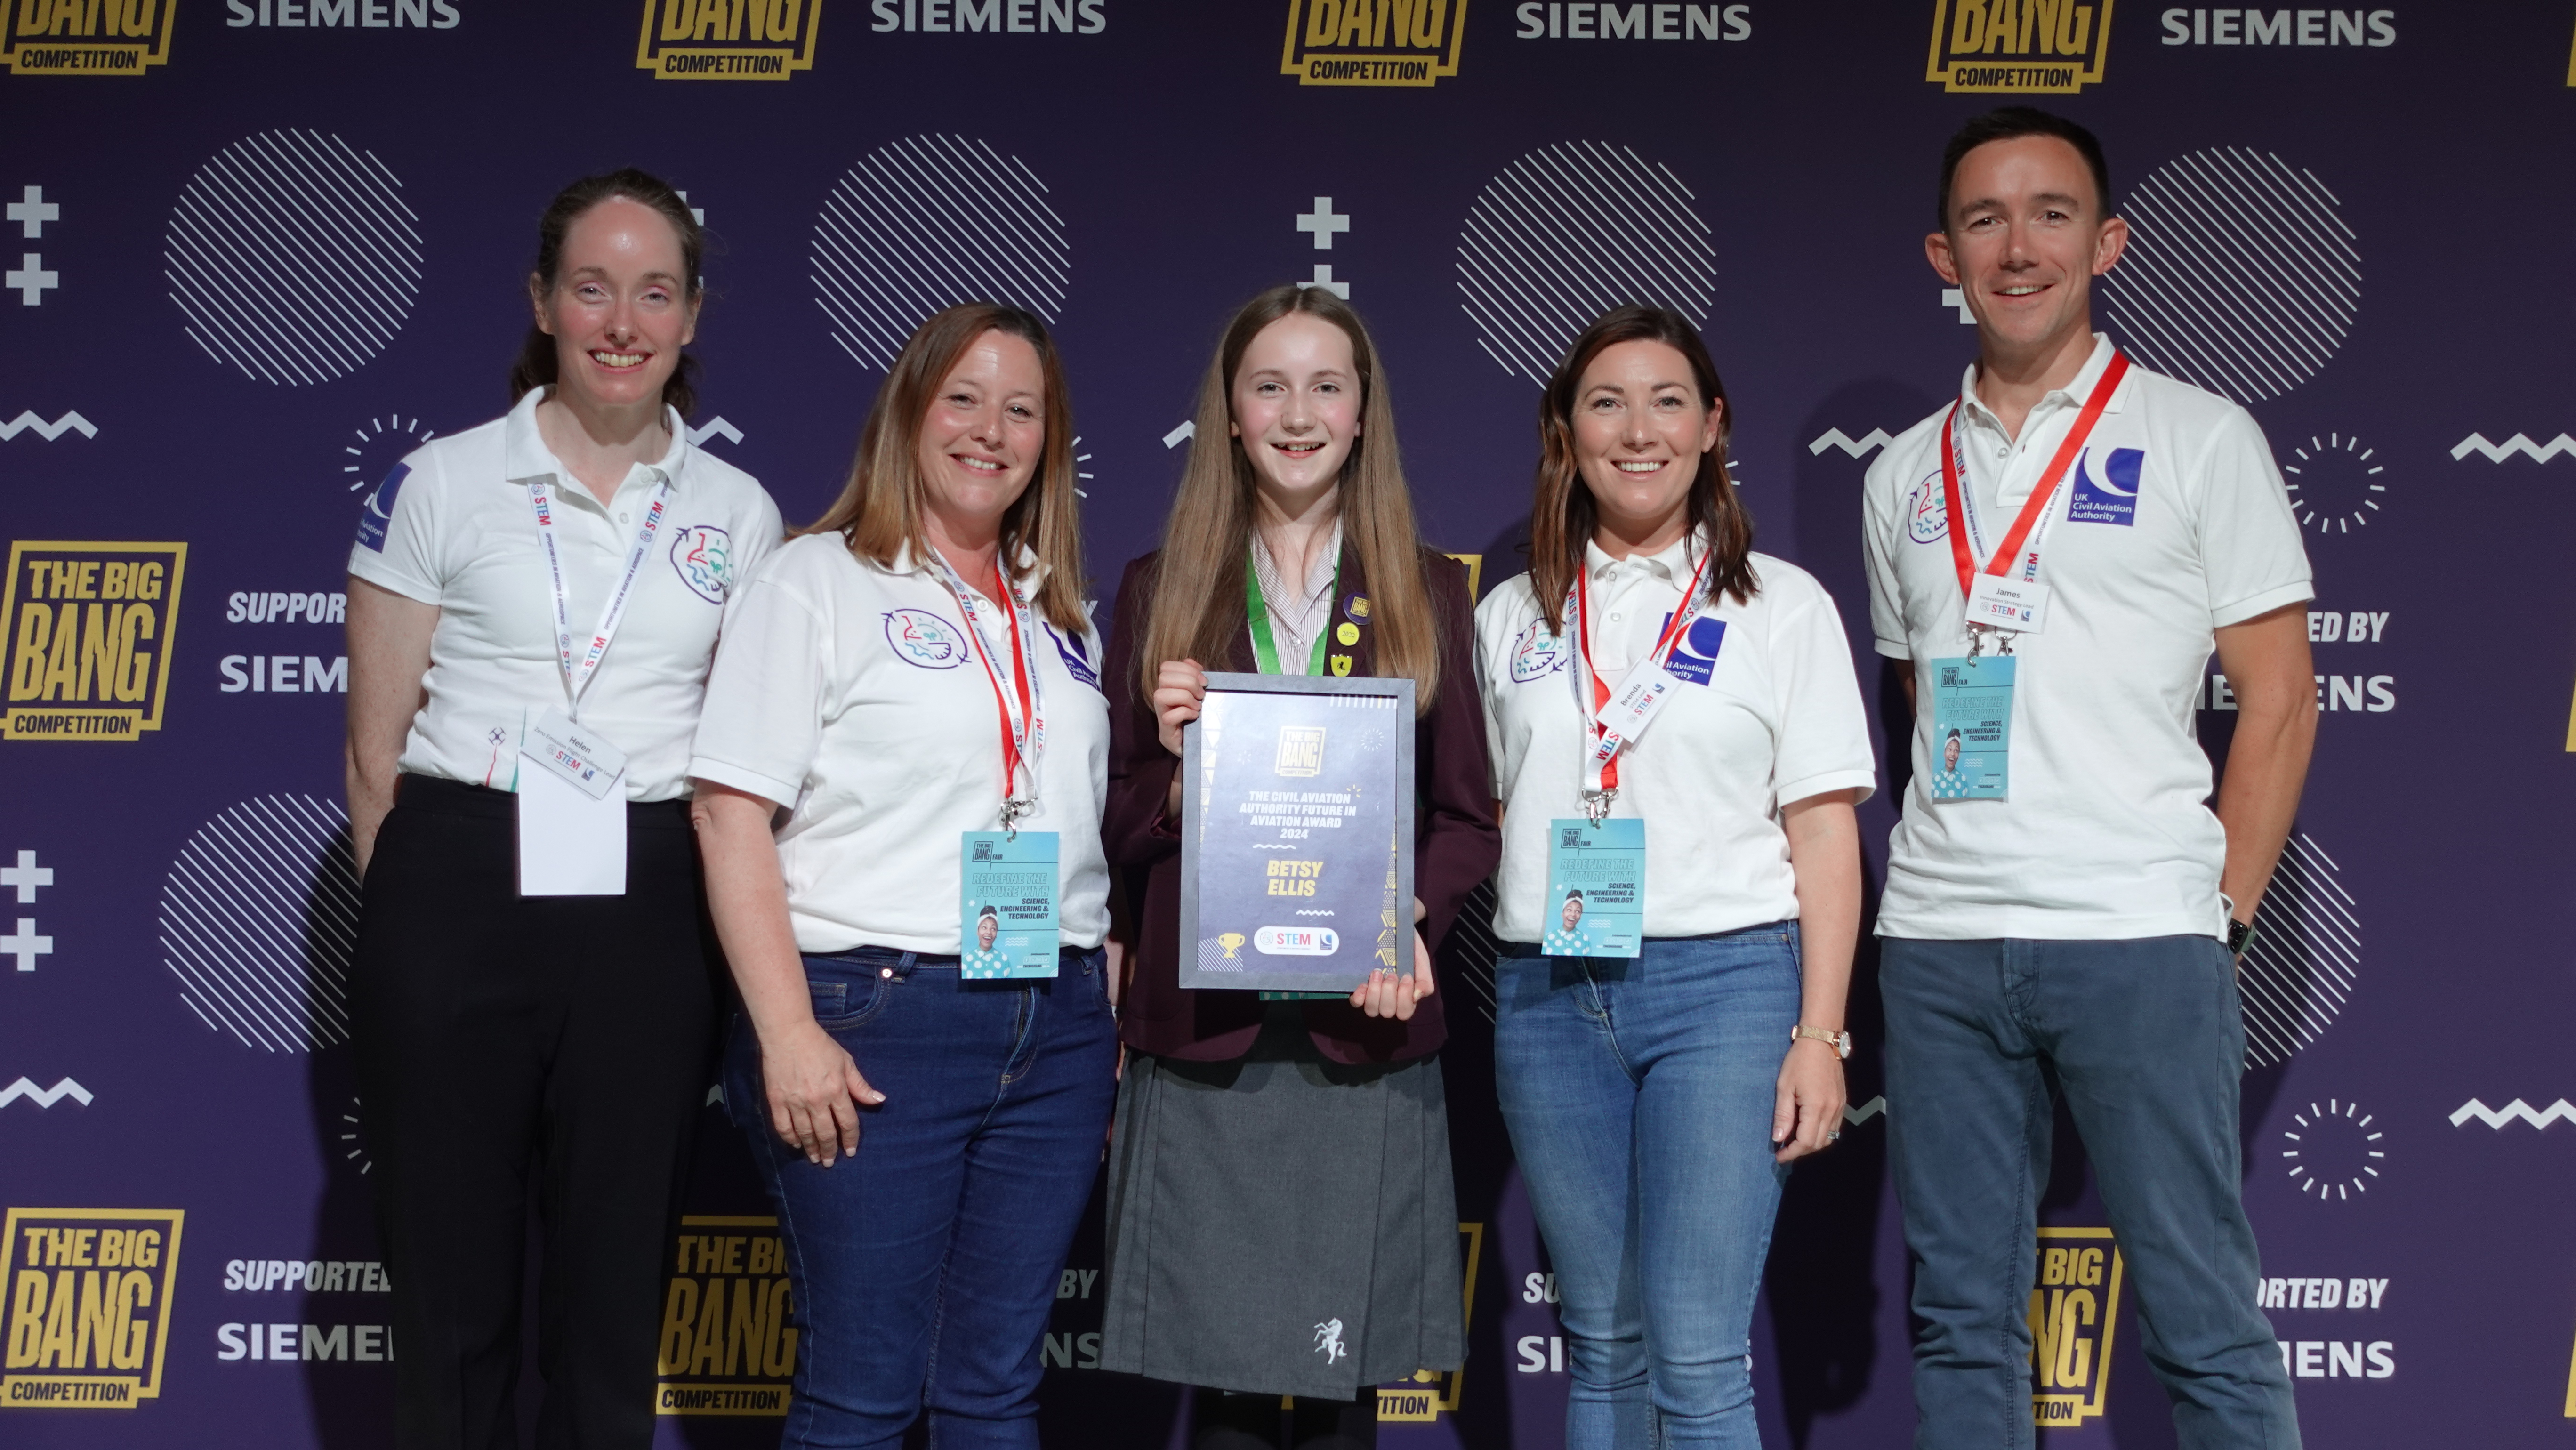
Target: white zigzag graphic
x=44, y=1097
x=1835, y=438
x=2518, y=443
x=715, y=426
x=1864, y=1112
x=2496, y=1118
x=68, y=422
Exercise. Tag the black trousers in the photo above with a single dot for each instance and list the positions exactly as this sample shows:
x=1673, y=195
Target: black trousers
x=562, y=1044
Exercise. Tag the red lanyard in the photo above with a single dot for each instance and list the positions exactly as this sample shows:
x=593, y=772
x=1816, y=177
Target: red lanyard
x=2037, y=504
x=1022, y=665
x=1579, y=605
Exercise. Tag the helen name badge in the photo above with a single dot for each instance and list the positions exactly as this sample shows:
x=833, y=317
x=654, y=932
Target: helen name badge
x=571, y=816
x=1972, y=707
x=2018, y=605
x=1006, y=905
x=1596, y=887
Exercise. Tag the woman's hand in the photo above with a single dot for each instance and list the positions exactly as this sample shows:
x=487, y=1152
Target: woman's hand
x=1807, y=1106
x=1180, y=687
x=815, y=1092
x=1387, y=994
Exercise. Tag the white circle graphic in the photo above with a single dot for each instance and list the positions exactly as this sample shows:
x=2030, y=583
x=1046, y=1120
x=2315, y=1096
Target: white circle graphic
x=259, y=920
x=2241, y=275
x=2335, y=1150
x=2305, y=960
x=926, y=223
x=293, y=257
x=2334, y=482
x=1568, y=232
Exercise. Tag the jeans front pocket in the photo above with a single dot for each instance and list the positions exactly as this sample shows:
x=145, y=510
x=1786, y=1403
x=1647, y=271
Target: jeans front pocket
x=848, y=991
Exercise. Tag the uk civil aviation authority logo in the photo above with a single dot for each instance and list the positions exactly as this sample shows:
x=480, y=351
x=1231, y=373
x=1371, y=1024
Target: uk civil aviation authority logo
x=86, y=37
x=89, y=630
x=727, y=40
x=2054, y=47
x=1373, y=42
x=88, y=1305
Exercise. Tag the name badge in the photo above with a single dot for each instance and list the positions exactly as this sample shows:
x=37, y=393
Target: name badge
x=1632, y=706
x=574, y=752
x=2015, y=604
x=1006, y=905
x=569, y=843
x=1596, y=888
x=1972, y=708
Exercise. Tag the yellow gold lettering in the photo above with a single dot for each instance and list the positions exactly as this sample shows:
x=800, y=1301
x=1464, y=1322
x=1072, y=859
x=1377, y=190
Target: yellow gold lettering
x=679, y=1316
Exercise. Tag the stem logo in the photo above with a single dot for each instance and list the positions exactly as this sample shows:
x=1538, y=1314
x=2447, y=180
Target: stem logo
x=727, y=1348
x=89, y=1305
x=89, y=629
x=85, y=37
x=2070, y=1325
x=1373, y=42
x=727, y=40
x=2054, y=47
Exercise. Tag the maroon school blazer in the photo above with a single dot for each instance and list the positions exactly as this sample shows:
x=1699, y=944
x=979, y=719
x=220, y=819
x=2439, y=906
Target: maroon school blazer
x=1456, y=844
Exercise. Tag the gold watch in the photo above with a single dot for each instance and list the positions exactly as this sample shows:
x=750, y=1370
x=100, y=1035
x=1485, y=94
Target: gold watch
x=1840, y=1042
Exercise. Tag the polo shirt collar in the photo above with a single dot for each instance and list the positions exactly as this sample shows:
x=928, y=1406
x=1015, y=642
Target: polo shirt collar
x=906, y=561
x=1672, y=564
x=2072, y=395
x=527, y=457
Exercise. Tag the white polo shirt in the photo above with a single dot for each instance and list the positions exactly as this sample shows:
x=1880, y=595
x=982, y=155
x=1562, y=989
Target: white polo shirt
x=452, y=526
x=851, y=694
x=2171, y=523
x=1769, y=712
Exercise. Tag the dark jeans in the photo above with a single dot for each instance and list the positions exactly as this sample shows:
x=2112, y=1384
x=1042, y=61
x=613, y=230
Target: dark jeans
x=566, y=1040
x=2147, y=1044
x=925, y=1264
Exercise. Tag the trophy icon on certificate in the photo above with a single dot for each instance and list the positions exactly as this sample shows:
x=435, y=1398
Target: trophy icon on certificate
x=1232, y=941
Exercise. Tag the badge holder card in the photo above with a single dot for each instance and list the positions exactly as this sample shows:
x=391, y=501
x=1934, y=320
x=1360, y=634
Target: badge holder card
x=1972, y=708
x=1007, y=905
x=571, y=815
x=1596, y=888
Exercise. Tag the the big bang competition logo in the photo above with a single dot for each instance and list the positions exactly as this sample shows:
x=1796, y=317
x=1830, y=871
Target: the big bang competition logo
x=728, y=40
x=85, y=37
x=1373, y=42
x=2048, y=46
x=89, y=633
x=727, y=1346
x=89, y=1305
x=2071, y=1311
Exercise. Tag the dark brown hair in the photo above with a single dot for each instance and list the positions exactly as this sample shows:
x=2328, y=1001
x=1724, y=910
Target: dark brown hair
x=879, y=511
x=1207, y=543
x=535, y=367
x=2011, y=123
x=1565, y=515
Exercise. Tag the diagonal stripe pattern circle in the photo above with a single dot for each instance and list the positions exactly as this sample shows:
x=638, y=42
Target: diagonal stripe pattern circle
x=926, y=223
x=2305, y=960
x=2241, y=276
x=259, y=920
x=293, y=257
x=1568, y=232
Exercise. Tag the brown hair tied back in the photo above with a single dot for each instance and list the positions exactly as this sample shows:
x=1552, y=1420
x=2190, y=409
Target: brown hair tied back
x=535, y=367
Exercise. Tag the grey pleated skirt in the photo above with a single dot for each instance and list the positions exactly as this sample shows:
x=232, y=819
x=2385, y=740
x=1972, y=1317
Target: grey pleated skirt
x=1282, y=1224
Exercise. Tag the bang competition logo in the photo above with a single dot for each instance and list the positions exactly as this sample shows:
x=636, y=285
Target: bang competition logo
x=2051, y=47
x=2071, y=1312
x=89, y=629
x=1373, y=42
x=86, y=37
x=727, y=1345
x=728, y=40
x=89, y=1305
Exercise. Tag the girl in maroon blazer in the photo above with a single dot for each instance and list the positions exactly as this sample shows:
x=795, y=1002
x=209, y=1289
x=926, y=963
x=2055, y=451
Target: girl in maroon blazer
x=1281, y=1215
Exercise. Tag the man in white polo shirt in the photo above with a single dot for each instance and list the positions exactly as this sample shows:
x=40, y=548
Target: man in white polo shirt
x=2055, y=555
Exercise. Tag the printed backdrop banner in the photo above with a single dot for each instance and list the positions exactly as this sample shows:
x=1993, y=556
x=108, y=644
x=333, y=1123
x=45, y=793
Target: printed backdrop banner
x=256, y=250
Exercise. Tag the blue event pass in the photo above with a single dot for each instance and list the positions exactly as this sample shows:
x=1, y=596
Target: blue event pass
x=1596, y=888
x=1972, y=707
x=1006, y=905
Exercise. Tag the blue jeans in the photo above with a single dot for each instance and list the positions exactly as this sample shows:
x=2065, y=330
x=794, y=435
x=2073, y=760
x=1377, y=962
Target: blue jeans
x=1639, y=1096
x=2145, y=1040
x=924, y=1266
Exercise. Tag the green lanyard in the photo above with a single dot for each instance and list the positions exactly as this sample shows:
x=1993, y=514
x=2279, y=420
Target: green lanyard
x=1263, y=648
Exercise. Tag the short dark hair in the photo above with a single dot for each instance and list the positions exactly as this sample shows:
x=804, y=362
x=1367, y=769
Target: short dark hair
x=536, y=364
x=1574, y=894
x=2006, y=123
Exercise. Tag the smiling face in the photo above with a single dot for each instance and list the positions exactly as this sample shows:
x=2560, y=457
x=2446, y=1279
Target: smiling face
x=1296, y=402
x=986, y=928
x=1950, y=753
x=620, y=309
x=1641, y=429
x=983, y=435
x=2027, y=235
x=1573, y=912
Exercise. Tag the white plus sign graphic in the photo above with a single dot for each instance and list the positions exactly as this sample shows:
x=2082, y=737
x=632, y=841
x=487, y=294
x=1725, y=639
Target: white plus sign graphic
x=1323, y=221
x=25, y=945
x=696, y=213
x=31, y=279
x=1324, y=278
x=32, y=213
x=1954, y=297
x=26, y=876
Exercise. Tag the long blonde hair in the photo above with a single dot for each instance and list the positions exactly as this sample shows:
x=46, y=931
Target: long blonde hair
x=879, y=511
x=1207, y=543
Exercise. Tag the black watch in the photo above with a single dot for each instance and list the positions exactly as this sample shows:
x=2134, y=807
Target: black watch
x=2240, y=935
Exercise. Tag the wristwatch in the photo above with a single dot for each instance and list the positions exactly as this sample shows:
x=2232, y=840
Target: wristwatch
x=1840, y=1042
x=2240, y=935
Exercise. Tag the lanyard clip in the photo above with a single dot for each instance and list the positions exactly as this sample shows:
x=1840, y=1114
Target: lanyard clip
x=1596, y=804
x=1013, y=810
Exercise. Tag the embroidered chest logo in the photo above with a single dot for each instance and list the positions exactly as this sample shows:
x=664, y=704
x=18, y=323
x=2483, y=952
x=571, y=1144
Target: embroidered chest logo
x=1075, y=654
x=1927, y=515
x=922, y=638
x=1536, y=653
x=2109, y=495
x=1694, y=656
x=703, y=555
x=1328, y=1341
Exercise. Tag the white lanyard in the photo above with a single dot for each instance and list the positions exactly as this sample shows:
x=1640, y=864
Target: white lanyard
x=1024, y=734
x=578, y=672
x=1593, y=699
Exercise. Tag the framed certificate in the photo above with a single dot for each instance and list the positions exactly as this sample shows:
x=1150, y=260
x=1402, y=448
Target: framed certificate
x=1297, y=832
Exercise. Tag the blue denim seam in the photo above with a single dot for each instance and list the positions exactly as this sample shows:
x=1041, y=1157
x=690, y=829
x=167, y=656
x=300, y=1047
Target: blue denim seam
x=802, y=1408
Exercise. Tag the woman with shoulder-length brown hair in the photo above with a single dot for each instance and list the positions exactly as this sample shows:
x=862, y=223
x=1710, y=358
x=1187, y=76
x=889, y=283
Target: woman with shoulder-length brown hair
x=913, y=683
x=1281, y=1215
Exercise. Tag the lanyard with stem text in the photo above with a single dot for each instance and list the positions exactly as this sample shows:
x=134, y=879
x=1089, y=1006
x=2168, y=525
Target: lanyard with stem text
x=1264, y=649
x=578, y=671
x=1592, y=693
x=1021, y=701
x=1961, y=505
